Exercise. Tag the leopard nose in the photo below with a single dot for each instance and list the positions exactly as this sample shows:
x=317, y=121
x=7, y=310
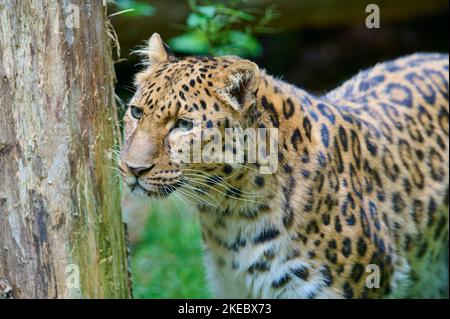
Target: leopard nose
x=138, y=171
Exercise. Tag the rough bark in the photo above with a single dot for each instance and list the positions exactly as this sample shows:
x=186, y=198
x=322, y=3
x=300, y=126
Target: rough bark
x=59, y=200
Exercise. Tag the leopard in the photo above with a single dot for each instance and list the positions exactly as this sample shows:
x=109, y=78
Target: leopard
x=358, y=204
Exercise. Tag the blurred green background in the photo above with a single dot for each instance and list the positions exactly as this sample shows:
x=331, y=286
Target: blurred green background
x=166, y=260
x=315, y=45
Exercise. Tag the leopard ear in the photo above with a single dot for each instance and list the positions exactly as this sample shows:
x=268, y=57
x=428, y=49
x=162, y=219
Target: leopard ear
x=157, y=51
x=238, y=83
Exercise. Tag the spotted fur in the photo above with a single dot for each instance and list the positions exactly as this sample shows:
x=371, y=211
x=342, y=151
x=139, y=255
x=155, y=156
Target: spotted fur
x=362, y=180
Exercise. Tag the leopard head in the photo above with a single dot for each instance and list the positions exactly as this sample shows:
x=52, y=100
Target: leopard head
x=176, y=101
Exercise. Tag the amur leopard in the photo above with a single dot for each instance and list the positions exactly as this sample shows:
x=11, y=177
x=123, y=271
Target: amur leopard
x=358, y=205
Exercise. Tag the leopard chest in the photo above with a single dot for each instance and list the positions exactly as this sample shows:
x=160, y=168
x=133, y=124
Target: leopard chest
x=256, y=260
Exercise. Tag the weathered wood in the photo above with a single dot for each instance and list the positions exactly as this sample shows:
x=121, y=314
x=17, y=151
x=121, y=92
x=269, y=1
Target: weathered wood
x=59, y=200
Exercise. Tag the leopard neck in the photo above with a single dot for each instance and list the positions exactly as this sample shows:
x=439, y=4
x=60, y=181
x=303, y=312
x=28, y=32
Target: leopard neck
x=282, y=105
x=290, y=111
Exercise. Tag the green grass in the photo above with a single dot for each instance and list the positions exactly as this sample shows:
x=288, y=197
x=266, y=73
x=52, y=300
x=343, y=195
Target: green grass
x=167, y=262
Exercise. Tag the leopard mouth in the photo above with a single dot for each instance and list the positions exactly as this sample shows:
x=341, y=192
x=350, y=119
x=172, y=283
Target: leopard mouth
x=156, y=191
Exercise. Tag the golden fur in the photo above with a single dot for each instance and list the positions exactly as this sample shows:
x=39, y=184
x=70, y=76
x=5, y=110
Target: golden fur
x=361, y=187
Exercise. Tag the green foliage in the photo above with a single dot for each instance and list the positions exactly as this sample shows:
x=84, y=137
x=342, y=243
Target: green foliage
x=135, y=8
x=168, y=262
x=217, y=28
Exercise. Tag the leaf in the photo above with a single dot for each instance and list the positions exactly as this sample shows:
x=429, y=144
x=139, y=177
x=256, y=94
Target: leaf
x=143, y=9
x=207, y=11
x=193, y=42
x=247, y=43
x=236, y=13
x=139, y=9
x=196, y=20
x=222, y=27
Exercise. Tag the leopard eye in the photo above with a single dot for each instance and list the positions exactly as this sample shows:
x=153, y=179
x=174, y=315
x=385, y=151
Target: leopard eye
x=136, y=112
x=184, y=124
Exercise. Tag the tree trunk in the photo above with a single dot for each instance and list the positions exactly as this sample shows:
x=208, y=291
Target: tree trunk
x=61, y=229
